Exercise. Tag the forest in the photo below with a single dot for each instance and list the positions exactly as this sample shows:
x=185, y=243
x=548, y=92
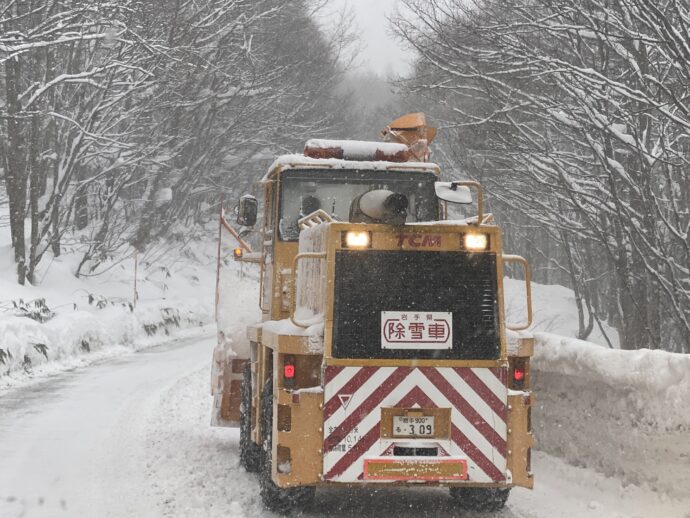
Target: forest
x=575, y=116
x=121, y=122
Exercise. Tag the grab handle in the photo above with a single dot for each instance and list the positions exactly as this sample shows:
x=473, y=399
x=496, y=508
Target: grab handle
x=528, y=290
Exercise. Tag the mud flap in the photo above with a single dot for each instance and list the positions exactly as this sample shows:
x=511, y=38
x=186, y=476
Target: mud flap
x=227, y=400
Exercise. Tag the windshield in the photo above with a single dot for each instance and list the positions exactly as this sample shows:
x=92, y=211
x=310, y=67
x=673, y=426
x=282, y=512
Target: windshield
x=303, y=192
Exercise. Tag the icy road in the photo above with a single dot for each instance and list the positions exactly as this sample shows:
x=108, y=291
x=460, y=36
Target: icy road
x=131, y=437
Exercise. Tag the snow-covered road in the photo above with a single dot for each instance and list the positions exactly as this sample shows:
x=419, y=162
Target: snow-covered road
x=131, y=437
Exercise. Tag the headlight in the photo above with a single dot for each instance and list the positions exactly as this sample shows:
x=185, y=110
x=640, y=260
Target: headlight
x=357, y=239
x=476, y=242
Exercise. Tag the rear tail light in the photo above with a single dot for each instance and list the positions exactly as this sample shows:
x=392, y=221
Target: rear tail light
x=518, y=373
x=289, y=372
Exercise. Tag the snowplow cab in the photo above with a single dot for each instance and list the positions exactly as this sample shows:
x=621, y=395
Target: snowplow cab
x=383, y=356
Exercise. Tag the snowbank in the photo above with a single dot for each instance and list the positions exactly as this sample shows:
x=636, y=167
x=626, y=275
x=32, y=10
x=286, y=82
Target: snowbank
x=623, y=413
x=659, y=378
x=65, y=321
x=30, y=348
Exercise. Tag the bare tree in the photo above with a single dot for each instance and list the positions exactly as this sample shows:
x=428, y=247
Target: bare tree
x=576, y=116
x=123, y=120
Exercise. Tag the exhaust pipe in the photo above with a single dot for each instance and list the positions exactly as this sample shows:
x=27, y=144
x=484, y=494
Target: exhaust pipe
x=380, y=206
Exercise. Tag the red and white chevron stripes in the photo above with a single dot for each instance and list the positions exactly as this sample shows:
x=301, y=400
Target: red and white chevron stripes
x=354, y=397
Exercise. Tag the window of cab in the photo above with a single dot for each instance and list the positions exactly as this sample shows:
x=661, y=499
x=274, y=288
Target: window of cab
x=303, y=192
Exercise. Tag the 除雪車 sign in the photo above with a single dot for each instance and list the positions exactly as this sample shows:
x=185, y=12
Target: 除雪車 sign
x=416, y=330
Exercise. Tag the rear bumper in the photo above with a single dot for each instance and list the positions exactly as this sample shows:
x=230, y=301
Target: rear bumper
x=344, y=437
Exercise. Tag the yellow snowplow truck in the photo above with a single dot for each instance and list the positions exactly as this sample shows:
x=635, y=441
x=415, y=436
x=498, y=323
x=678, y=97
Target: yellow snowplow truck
x=383, y=356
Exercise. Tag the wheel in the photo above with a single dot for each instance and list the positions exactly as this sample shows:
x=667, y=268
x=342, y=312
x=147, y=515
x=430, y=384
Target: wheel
x=250, y=452
x=277, y=499
x=479, y=498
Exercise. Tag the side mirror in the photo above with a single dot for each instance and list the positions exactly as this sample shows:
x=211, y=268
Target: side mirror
x=452, y=192
x=247, y=211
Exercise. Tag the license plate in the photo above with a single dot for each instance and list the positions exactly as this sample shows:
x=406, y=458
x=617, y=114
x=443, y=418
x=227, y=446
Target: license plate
x=409, y=426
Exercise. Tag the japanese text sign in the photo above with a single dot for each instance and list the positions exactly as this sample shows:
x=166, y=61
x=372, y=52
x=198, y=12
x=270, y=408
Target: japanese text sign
x=416, y=330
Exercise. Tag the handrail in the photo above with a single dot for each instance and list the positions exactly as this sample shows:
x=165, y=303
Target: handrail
x=528, y=290
x=315, y=218
x=303, y=255
x=270, y=216
x=480, y=197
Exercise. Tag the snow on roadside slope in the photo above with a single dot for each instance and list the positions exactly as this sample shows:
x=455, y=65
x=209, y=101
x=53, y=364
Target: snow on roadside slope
x=553, y=309
x=623, y=413
x=659, y=379
x=93, y=315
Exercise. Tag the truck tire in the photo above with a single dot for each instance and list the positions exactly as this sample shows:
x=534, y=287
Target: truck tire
x=479, y=498
x=277, y=499
x=250, y=452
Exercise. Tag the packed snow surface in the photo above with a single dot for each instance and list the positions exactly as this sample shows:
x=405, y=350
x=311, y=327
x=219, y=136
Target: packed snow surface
x=623, y=413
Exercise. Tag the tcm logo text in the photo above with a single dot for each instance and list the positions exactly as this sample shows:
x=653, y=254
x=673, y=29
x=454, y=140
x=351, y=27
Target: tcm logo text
x=419, y=240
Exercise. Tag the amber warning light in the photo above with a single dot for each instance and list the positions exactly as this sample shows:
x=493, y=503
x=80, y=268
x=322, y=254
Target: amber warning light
x=237, y=253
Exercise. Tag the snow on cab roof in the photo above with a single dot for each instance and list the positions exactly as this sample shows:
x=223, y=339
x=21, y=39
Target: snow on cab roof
x=356, y=148
x=286, y=162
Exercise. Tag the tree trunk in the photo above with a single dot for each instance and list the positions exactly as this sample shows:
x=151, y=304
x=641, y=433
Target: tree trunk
x=15, y=174
x=34, y=194
x=81, y=205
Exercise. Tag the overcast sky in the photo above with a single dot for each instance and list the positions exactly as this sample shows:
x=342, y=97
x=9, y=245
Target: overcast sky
x=381, y=51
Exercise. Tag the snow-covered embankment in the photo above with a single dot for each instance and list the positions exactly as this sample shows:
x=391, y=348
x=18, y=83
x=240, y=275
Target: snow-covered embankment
x=64, y=321
x=624, y=413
